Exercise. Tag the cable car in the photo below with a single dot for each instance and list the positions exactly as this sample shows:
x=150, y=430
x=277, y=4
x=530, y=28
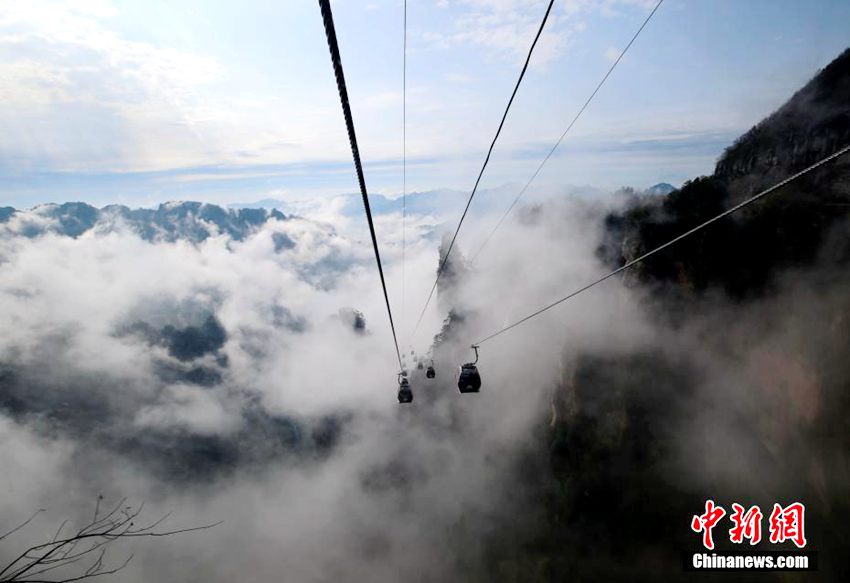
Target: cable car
x=430, y=373
x=419, y=365
x=468, y=379
x=405, y=395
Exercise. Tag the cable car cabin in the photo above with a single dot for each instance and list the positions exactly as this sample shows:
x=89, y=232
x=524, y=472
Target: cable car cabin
x=420, y=366
x=468, y=379
x=405, y=395
x=430, y=373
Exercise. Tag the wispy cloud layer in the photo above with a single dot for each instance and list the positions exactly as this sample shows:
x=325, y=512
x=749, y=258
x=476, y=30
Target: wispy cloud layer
x=91, y=90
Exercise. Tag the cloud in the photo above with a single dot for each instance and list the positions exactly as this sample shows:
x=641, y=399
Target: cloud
x=77, y=94
x=126, y=70
x=214, y=375
x=508, y=26
x=223, y=378
x=59, y=62
x=191, y=407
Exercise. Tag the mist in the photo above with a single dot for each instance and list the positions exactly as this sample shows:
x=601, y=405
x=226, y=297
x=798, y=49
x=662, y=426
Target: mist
x=224, y=380
x=249, y=382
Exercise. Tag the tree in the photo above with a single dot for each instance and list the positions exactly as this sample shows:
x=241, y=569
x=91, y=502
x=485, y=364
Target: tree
x=81, y=555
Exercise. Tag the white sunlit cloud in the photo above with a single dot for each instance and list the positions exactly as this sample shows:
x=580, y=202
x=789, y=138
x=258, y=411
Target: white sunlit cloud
x=507, y=26
x=116, y=104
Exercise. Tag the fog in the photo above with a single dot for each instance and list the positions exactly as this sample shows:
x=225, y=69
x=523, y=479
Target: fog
x=224, y=381
x=286, y=427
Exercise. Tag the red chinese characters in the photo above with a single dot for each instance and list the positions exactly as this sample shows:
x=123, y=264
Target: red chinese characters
x=706, y=522
x=747, y=525
x=785, y=524
x=788, y=524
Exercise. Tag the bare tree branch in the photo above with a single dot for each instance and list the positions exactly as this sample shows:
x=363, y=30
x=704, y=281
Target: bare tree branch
x=60, y=557
x=23, y=524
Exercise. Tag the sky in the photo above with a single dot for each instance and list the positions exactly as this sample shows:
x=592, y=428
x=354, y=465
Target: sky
x=143, y=101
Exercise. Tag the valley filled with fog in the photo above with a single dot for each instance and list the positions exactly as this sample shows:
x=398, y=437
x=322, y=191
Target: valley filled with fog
x=243, y=372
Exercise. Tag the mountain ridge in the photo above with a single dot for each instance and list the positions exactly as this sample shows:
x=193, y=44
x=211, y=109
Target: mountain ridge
x=749, y=370
x=743, y=254
x=812, y=124
x=170, y=221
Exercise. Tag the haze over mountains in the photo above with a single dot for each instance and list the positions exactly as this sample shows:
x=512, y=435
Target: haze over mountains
x=444, y=203
x=236, y=365
x=192, y=221
x=742, y=392
x=196, y=221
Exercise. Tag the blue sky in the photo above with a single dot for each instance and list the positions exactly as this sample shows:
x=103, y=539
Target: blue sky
x=141, y=101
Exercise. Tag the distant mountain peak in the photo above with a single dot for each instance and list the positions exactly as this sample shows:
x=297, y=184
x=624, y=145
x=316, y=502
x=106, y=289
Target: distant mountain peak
x=662, y=189
x=187, y=220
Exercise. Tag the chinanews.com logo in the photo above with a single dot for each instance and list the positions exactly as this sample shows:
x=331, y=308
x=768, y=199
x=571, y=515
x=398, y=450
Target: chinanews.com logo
x=785, y=524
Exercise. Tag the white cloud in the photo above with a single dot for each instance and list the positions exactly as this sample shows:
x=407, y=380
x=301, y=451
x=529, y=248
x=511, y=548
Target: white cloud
x=67, y=35
x=509, y=26
x=197, y=409
x=77, y=95
x=399, y=478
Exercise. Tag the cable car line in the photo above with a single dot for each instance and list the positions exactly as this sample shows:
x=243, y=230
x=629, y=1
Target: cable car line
x=484, y=166
x=566, y=131
x=330, y=32
x=629, y=264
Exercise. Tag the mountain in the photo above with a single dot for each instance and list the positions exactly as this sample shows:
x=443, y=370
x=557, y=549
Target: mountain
x=814, y=123
x=660, y=189
x=266, y=203
x=435, y=202
x=794, y=227
x=743, y=395
x=192, y=221
x=439, y=203
x=422, y=203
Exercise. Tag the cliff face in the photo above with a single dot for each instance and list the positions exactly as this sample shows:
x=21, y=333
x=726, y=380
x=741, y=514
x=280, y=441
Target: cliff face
x=814, y=123
x=742, y=255
x=744, y=394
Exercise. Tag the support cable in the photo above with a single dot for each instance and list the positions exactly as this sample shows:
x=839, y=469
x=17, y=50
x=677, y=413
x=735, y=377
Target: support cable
x=629, y=264
x=330, y=32
x=566, y=131
x=484, y=166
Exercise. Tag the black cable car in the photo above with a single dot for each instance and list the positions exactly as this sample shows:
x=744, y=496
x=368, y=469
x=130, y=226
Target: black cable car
x=468, y=379
x=405, y=395
x=430, y=373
